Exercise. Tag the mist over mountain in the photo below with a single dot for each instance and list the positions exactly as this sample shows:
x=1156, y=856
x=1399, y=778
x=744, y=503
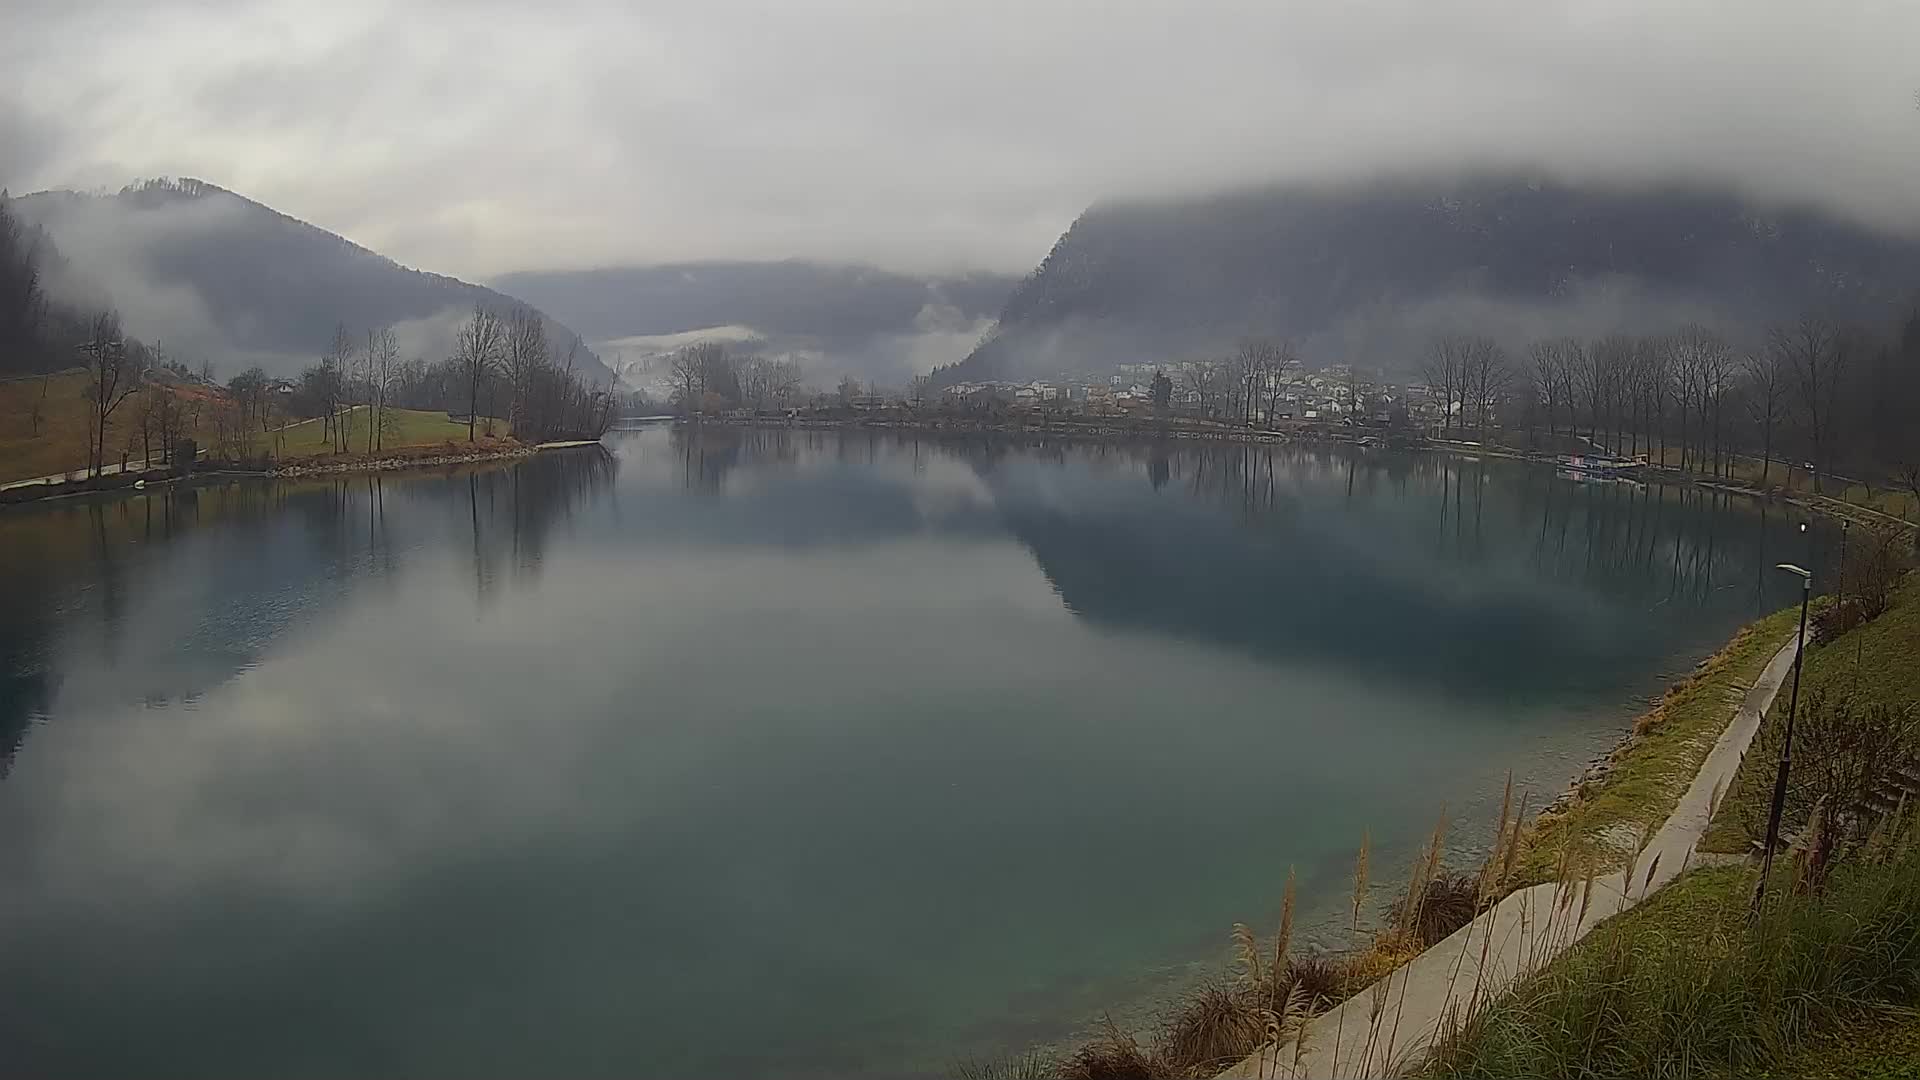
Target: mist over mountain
x=1369, y=273
x=212, y=275
x=874, y=324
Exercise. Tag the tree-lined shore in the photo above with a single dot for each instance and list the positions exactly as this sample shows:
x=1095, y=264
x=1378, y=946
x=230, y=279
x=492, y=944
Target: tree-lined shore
x=86, y=404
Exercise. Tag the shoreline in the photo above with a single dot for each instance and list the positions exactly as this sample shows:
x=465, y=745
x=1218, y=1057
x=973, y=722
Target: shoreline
x=1321, y=435
x=1664, y=742
x=389, y=464
x=293, y=471
x=1599, y=769
x=1518, y=934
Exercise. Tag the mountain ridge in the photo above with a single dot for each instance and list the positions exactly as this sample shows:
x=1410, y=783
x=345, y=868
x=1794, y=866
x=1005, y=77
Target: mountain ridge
x=216, y=275
x=842, y=317
x=1368, y=272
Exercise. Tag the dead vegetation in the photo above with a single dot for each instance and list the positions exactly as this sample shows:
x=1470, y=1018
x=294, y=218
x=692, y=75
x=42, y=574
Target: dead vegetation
x=1264, y=1005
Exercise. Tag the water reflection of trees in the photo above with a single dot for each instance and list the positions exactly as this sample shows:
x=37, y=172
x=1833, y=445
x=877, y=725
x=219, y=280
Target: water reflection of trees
x=1465, y=573
x=708, y=453
x=1481, y=525
x=91, y=571
x=512, y=513
x=1658, y=543
x=1666, y=542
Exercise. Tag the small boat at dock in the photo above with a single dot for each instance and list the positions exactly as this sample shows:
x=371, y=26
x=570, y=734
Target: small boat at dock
x=1599, y=465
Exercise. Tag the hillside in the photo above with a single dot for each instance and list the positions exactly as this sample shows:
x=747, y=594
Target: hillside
x=1367, y=273
x=861, y=320
x=213, y=275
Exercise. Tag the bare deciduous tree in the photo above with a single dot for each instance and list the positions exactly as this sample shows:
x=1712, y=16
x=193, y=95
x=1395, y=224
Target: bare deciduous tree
x=1767, y=384
x=383, y=370
x=479, y=347
x=1441, y=367
x=1279, y=359
x=526, y=357
x=689, y=369
x=331, y=385
x=1700, y=366
x=1716, y=379
x=112, y=373
x=1547, y=370
x=1484, y=376
x=249, y=391
x=1812, y=350
x=1203, y=381
x=771, y=381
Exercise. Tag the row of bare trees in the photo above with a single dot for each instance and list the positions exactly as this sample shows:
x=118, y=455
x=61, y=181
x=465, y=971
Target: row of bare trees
x=1472, y=376
x=1636, y=391
x=356, y=385
x=708, y=378
x=1813, y=391
x=1245, y=386
x=547, y=397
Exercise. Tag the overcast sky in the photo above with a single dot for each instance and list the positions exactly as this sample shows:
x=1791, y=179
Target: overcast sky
x=478, y=137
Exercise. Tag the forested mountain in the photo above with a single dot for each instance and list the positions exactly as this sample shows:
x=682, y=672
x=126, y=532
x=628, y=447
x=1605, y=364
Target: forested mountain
x=859, y=320
x=1368, y=273
x=36, y=334
x=216, y=276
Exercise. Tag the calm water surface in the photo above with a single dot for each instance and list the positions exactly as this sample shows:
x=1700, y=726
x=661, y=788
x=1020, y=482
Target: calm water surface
x=776, y=753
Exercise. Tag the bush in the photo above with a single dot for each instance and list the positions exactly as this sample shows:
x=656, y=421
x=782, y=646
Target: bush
x=1869, y=575
x=1213, y=1028
x=1322, y=979
x=1116, y=1056
x=1872, y=570
x=1845, y=753
x=1027, y=1067
x=1451, y=901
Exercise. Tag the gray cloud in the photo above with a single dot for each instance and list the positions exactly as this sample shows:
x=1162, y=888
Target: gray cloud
x=108, y=266
x=28, y=145
x=1396, y=334
x=480, y=138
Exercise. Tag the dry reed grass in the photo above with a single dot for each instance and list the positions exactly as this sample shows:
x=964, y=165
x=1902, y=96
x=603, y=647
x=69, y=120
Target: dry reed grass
x=1263, y=1011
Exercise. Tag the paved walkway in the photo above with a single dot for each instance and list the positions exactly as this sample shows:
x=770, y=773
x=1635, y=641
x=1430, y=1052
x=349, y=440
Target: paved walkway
x=81, y=473
x=1519, y=935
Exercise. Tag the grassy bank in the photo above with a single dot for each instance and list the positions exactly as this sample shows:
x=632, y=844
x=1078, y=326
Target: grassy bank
x=1880, y=1044
x=1824, y=982
x=1650, y=770
x=1792, y=482
x=441, y=453
x=308, y=440
x=1685, y=986
x=1876, y=663
x=45, y=424
x=57, y=439
x=1270, y=993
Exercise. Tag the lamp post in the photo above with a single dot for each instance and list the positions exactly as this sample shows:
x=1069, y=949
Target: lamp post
x=1786, y=743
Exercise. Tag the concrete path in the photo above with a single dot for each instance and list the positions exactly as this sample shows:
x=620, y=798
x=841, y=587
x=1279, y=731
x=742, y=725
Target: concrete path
x=110, y=469
x=1402, y=1015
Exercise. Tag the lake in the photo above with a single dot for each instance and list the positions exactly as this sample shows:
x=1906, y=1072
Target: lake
x=772, y=752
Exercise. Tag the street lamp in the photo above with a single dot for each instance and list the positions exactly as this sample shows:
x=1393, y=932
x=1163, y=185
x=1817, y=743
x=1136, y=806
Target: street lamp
x=1786, y=743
